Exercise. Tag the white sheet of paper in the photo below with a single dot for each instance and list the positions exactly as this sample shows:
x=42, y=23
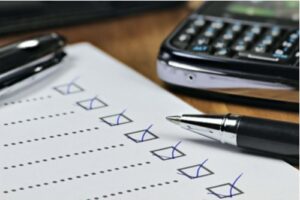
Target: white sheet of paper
x=97, y=130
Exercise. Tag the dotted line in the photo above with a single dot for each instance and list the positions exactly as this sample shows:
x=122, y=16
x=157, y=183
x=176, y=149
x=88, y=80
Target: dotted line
x=38, y=118
x=27, y=100
x=135, y=190
x=62, y=156
x=50, y=137
x=77, y=177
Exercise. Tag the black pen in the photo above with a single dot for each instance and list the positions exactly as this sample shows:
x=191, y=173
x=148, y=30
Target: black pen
x=26, y=61
x=261, y=135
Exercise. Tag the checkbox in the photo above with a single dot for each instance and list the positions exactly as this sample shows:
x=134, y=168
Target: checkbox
x=91, y=104
x=117, y=119
x=224, y=191
x=168, y=153
x=195, y=171
x=69, y=88
x=141, y=136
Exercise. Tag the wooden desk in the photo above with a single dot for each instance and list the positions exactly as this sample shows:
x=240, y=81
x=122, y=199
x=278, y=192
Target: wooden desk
x=135, y=41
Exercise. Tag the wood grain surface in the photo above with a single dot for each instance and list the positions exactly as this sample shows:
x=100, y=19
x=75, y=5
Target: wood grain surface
x=135, y=40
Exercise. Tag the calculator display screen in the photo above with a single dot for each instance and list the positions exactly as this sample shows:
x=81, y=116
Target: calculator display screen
x=284, y=13
x=272, y=9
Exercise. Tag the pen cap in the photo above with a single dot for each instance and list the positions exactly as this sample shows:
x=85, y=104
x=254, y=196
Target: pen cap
x=270, y=136
x=26, y=51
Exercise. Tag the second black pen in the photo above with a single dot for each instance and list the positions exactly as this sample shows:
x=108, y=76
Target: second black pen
x=261, y=135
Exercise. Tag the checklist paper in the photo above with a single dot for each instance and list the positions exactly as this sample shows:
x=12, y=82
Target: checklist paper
x=97, y=130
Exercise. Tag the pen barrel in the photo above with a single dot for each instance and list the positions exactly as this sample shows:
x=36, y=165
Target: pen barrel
x=21, y=53
x=276, y=137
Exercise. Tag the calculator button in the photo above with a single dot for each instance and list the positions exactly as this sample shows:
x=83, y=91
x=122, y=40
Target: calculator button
x=256, y=29
x=260, y=48
x=280, y=54
x=210, y=32
x=222, y=52
x=228, y=35
x=267, y=40
x=293, y=37
x=275, y=31
x=249, y=37
x=180, y=45
x=220, y=44
x=191, y=30
x=182, y=41
x=240, y=46
x=199, y=22
x=200, y=48
x=287, y=44
x=286, y=47
x=217, y=25
x=278, y=51
x=203, y=40
x=236, y=28
x=184, y=38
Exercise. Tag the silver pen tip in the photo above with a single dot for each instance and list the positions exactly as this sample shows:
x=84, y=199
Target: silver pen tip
x=174, y=119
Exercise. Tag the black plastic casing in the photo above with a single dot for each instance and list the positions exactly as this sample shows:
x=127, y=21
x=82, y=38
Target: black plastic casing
x=275, y=137
x=248, y=69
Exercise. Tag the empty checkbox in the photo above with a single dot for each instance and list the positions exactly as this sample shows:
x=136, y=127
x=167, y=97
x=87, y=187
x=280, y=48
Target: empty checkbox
x=224, y=191
x=91, y=104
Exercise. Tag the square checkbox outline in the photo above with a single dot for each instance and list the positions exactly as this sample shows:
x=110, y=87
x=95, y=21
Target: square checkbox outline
x=140, y=141
x=210, y=189
x=56, y=88
x=122, y=115
x=169, y=158
x=181, y=170
x=79, y=103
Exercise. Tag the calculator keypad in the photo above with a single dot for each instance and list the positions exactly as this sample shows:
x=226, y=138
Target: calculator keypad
x=239, y=41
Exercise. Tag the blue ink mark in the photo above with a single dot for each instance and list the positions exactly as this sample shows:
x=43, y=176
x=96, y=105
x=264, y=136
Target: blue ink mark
x=91, y=102
x=230, y=190
x=71, y=84
x=174, y=149
x=200, y=166
x=119, y=117
x=145, y=132
x=233, y=184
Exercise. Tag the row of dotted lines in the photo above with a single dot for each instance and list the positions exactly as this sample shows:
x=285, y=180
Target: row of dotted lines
x=50, y=137
x=27, y=100
x=38, y=118
x=77, y=177
x=62, y=156
x=135, y=189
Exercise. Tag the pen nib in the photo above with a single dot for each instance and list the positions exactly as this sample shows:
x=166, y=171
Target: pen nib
x=174, y=119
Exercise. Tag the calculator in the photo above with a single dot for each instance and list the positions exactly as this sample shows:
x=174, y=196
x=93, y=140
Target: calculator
x=242, y=44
